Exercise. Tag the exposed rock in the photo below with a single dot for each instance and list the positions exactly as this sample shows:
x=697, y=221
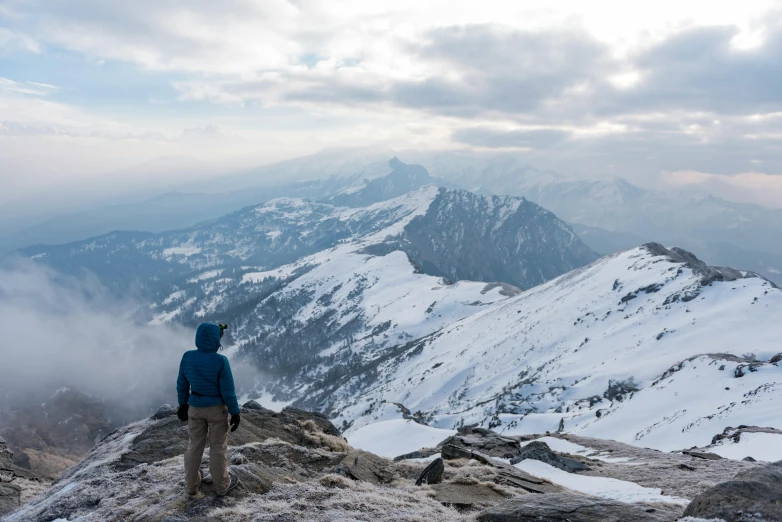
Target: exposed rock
x=466, y=494
x=568, y=507
x=362, y=465
x=135, y=474
x=164, y=411
x=168, y=437
x=432, y=474
x=751, y=495
x=420, y=454
x=537, y=450
x=519, y=479
x=10, y=495
x=708, y=274
x=484, y=441
x=702, y=455
x=506, y=474
x=748, y=459
x=734, y=434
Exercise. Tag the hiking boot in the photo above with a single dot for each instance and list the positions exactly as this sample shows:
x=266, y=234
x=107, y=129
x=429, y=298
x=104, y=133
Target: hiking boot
x=203, y=479
x=231, y=486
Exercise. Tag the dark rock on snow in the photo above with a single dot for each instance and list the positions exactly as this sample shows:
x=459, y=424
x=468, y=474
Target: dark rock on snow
x=537, y=450
x=568, y=507
x=751, y=495
x=702, y=455
x=420, y=454
x=506, y=474
x=484, y=441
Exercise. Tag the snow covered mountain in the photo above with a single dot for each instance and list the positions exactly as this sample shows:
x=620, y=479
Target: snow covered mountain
x=315, y=292
x=649, y=347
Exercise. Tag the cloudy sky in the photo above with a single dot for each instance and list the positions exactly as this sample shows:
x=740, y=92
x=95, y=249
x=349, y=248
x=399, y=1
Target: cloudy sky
x=676, y=90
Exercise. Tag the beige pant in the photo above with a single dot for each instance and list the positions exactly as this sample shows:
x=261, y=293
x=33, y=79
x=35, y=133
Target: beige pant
x=214, y=422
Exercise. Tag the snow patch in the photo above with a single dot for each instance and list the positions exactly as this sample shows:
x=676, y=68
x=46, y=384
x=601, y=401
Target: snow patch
x=766, y=447
x=603, y=487
x=396, y=437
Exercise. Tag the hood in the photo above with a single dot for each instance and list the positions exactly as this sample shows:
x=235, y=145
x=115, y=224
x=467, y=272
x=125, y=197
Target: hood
x=208, y=337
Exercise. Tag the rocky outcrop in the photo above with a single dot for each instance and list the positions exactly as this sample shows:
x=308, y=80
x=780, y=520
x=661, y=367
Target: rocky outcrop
x=423, y=453
x=538, y=450
x=362, y=465
x=10, y=494
x=569, y=507
x=168, y=437
x=709, y=274
x=432, y=474
x=465, y=495
x=734, y=434
x=484, y=441
x=503, y=473
x=752, y=495
x=705, y=455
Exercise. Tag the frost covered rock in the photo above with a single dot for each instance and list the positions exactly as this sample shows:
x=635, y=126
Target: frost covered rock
x=164, y=411
x=569, y=507
x=751, y=495
x=10, y=495
x=538, y=450
x=362, y=465
x=484, y=441
x=466, y=494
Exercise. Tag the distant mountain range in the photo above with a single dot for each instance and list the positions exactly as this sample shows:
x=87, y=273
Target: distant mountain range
x=610, y=214
x=312, y=290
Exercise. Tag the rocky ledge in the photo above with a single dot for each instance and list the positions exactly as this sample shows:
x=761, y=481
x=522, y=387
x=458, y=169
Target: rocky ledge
x=294, y=465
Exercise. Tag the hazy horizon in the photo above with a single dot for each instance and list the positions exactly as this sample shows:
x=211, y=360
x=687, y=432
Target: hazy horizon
x=674, y=94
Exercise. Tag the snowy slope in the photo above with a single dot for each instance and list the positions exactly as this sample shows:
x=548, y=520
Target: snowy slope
x=563, y=351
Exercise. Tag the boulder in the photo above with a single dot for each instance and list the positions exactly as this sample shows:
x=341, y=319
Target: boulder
x=484, y=441
x=365, y=466
x=702, y=455
x=519, y=479
x=568, y=507
x=538, y=450
x=420, y=454
x=506, y=474
x=465, y=495
x=164, y=411
x=432, y=474
x=751, y=495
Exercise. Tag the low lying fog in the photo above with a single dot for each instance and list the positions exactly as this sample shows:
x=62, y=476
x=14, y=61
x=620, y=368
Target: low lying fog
x=62, y=331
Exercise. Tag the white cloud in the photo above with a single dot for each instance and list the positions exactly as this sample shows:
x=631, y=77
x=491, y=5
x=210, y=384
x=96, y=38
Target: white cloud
x=749, y=187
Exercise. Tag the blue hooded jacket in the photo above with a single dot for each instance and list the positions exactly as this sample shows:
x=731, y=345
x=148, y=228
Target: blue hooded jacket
x=205, y=377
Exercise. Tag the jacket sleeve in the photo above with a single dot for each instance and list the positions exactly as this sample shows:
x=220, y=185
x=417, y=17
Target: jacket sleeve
x=227, y=390
x=182, y=385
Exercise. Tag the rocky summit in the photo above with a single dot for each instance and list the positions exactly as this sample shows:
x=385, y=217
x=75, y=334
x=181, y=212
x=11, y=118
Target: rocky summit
x=294, y=465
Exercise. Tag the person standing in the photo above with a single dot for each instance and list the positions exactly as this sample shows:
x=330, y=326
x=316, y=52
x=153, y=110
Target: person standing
x=206, y=394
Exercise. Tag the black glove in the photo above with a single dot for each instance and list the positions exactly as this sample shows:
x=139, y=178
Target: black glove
x=182, y=412
x=234, y=422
